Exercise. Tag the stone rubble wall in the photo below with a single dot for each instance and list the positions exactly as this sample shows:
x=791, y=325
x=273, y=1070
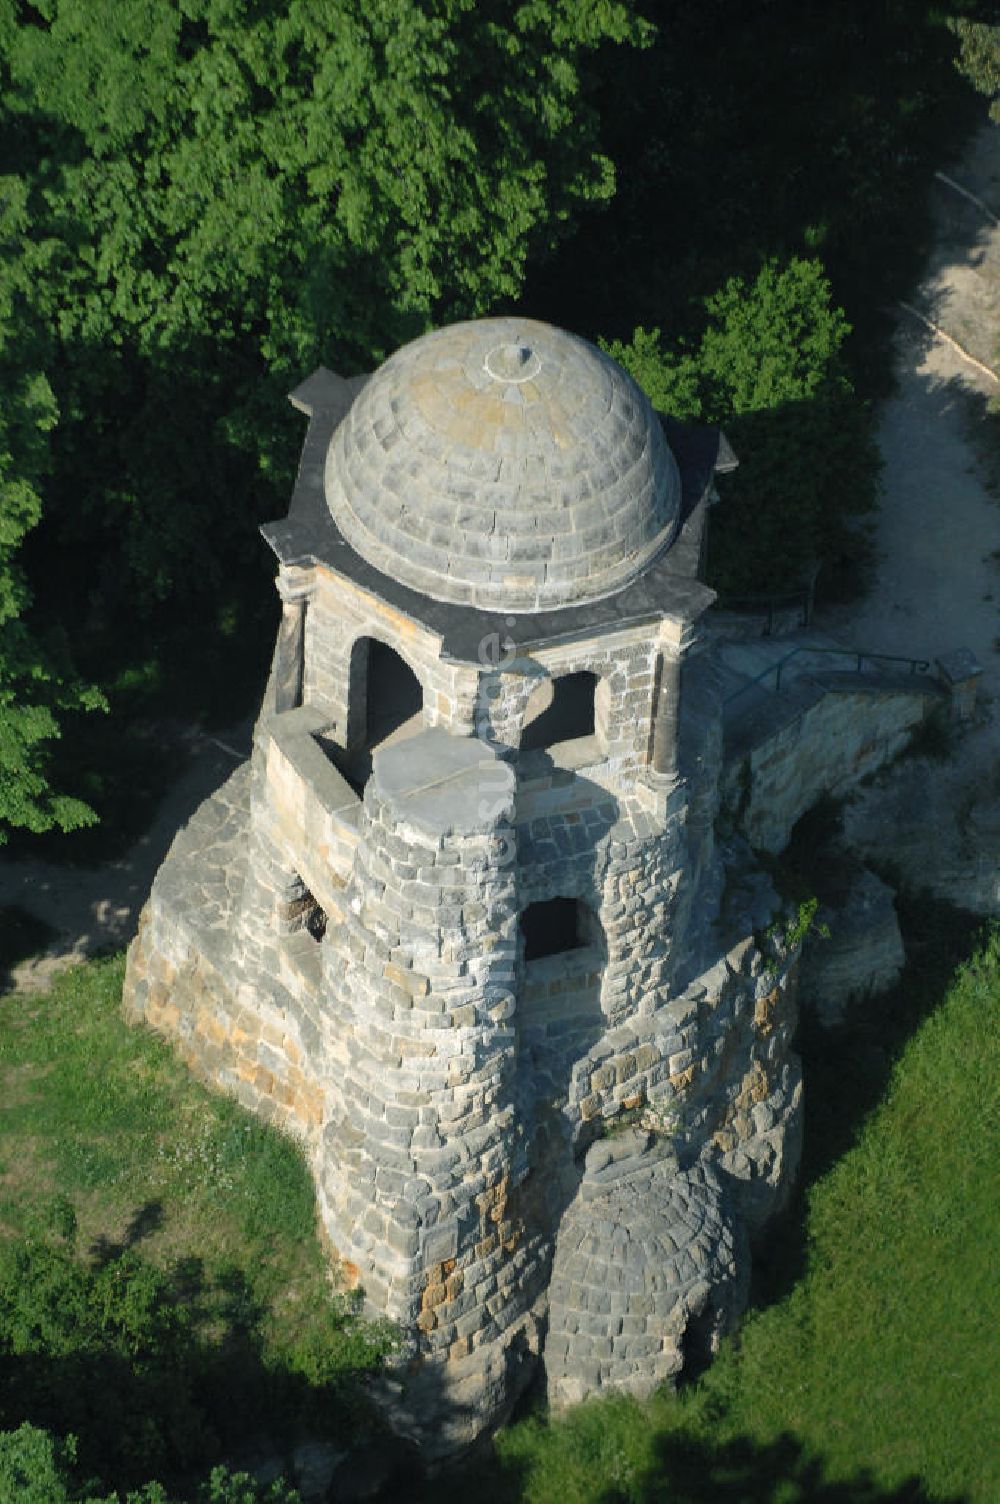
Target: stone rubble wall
x=646, y=1253
x=624, y=663
x=624, y=870
x=714, y=1070
x=183, y=971
x=447, y=1090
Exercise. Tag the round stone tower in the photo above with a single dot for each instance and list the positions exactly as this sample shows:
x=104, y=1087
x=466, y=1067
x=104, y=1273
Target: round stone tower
x=461, y=916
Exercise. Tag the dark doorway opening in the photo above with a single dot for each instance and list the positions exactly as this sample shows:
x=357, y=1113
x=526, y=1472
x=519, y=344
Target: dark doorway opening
x=394, y=695
x=385, y=703
x=699, y=1344
x=554, y=927
x=569, y=715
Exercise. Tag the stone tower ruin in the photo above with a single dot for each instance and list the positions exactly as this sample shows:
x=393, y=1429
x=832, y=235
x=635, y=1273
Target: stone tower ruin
x=461, y=923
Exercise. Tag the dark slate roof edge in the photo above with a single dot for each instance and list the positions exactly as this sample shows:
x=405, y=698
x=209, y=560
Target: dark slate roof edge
x=701, y=451
x=324, y=390
x=667, y=588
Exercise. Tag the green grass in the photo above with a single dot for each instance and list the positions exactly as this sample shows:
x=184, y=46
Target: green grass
x=163, y=1292
x=869, y=1368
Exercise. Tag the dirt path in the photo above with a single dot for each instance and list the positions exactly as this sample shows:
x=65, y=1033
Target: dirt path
x=96, y=908
x=938, y=532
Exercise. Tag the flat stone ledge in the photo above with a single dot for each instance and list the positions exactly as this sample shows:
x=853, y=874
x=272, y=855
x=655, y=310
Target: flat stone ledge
x=294, y=734
x=445, y=784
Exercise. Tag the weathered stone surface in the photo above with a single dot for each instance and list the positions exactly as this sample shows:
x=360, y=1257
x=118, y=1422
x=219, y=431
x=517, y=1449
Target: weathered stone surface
x=649, y=1260
x=833, y=732
x=503, y=462
x=346, y=938
x=854, y=949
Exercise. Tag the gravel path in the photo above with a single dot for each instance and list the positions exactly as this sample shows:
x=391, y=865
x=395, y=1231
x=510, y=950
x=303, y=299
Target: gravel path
x=97, y=908
x=938, y=533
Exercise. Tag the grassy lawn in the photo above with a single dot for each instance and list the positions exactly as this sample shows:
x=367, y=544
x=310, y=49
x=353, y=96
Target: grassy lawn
x=869, y=1369
x=162, y=1290
x=163, y=1294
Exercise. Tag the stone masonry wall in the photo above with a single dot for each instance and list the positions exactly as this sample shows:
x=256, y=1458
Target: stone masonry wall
x=338, y=614
x=425, y=1148
x=446, y=1089
x=624, y=663
x=838, y=740
x=184, y=974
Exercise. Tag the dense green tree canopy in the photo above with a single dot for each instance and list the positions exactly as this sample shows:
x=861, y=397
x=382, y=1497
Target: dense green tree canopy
x=36, y=679
x=204, y=199
x=769, y=367
x=322, y=177
x=979, y=57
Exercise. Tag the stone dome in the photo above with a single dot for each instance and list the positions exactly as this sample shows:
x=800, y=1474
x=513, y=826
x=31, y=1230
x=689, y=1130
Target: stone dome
x=644, y=1250
x=504, y=463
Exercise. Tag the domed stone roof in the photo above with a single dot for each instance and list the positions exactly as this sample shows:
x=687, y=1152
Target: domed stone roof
x=642, y=1251
x=504, y=463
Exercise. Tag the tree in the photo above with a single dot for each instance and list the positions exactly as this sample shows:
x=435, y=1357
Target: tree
x=38, y=1468
x=36, y=679
x=768, y=368
x=205, y=199
x=232, y=193
x=979, y=57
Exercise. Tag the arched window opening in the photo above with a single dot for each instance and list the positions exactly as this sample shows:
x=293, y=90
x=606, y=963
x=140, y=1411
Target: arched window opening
x=559, y=1014
x=384, y=703
x=560, y=710
x=558, y=926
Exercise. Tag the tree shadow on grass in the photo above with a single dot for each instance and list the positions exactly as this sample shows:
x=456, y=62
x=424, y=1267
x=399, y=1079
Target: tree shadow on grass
x=687, y=1471
x=142, y=1224
x=164, y=1373
x=744, y=1472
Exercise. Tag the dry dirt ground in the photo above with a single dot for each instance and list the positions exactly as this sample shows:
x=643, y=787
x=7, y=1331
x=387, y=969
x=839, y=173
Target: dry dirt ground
x=938, y=588
x=938, y=534
x=95, y=909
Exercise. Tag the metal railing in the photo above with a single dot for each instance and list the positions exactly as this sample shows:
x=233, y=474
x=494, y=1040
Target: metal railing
x=770, y=603
x=914, y=665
